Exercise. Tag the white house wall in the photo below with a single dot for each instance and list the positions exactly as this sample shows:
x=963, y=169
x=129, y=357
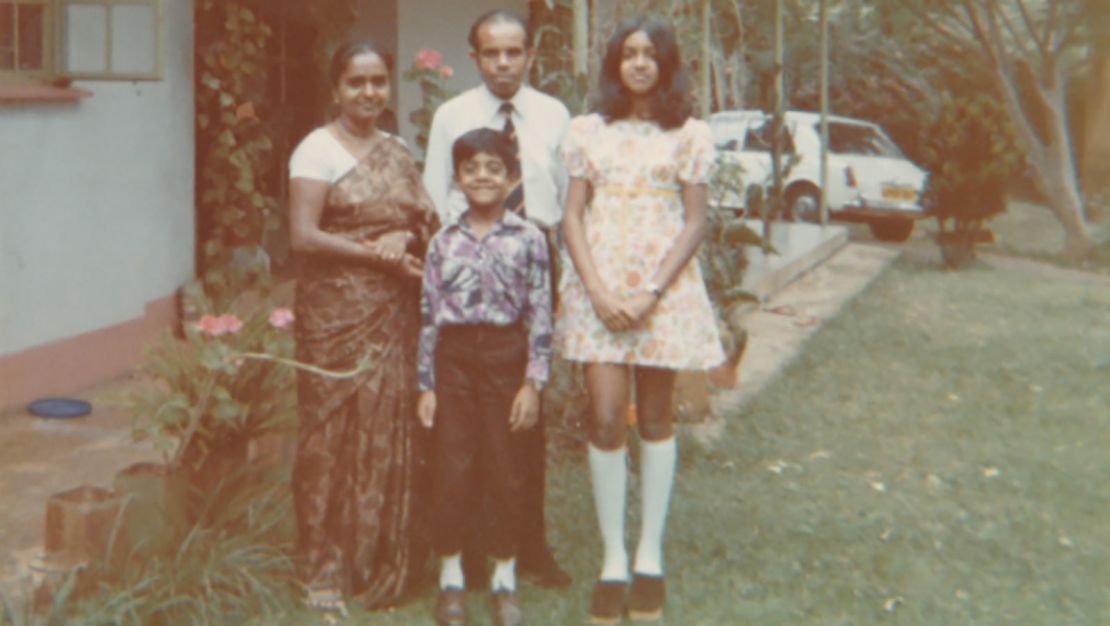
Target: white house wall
x=96, y=200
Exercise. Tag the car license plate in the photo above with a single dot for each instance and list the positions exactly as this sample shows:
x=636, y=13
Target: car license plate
x=899, y=193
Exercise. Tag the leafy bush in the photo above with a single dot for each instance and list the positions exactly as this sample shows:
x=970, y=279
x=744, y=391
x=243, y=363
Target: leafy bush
x=971, y=154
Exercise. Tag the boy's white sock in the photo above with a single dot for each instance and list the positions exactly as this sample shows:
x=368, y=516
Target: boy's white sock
x=657, y=464
x=504, y=575
x=451, y=573
x=609, y=471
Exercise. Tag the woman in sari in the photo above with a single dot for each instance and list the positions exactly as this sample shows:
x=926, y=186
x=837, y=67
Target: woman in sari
x=359, y=222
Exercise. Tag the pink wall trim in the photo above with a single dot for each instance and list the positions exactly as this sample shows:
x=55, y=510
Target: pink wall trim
x=67, y=366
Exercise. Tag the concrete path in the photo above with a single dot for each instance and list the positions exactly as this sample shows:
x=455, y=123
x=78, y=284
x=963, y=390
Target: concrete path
x=40, y=457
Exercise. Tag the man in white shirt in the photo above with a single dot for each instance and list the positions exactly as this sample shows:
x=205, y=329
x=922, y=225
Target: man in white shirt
x=540, y=122
x=501, y=46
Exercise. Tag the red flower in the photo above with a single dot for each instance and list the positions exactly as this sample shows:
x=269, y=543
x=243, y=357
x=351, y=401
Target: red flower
x=446, y=71
x=215, y=326
x=428, y=59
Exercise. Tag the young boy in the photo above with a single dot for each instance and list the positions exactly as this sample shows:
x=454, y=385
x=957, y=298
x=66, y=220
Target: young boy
x=484, y=347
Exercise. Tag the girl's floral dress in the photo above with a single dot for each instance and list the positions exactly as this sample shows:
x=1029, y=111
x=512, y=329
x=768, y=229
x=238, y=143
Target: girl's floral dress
x=636, y=171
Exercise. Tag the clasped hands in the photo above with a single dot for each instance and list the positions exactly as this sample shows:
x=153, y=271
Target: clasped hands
x=622, y=313
x=392, y=248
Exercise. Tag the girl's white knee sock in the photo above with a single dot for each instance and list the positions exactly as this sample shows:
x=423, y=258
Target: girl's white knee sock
x=657, y=467
x=609, y=470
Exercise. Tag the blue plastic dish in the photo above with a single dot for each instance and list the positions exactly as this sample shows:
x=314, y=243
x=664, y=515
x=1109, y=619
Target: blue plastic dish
x=59, y=407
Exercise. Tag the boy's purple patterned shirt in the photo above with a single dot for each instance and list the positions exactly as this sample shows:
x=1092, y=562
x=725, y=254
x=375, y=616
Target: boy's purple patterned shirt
x=499, y=279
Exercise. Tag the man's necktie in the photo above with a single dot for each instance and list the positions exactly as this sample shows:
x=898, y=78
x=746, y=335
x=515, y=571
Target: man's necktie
x=515, y=200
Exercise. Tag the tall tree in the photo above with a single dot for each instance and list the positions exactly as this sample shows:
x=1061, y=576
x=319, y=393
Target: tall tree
x=1031, y=48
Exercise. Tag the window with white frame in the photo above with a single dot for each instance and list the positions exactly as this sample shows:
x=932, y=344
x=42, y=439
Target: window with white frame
x=82, y=39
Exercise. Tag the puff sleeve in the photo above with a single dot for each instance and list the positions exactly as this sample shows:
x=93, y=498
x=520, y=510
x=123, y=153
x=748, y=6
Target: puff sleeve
x=574, y=145
x=696, y=154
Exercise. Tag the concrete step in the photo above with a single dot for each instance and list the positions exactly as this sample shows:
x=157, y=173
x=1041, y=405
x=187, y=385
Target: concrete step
x=798, y=248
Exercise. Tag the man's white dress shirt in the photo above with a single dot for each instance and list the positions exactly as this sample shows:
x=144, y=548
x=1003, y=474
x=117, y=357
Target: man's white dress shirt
x=540, y=122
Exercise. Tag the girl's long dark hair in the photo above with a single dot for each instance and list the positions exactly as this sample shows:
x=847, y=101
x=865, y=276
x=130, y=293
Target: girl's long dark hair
x=671, y=104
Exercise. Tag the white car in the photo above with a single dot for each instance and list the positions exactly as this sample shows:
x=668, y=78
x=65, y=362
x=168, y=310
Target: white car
x=869, y=179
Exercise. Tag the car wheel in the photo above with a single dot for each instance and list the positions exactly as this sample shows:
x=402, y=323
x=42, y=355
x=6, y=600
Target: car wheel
x=895, y=229
x=803, y=203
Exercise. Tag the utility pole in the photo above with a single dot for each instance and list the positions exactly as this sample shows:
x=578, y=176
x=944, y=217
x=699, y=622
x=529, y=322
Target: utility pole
x=581, y=39
x=706, y=61
x=823, y=207
x=776, y=206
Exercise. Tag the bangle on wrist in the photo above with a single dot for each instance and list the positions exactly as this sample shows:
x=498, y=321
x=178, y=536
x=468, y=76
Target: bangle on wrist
x=654, y=289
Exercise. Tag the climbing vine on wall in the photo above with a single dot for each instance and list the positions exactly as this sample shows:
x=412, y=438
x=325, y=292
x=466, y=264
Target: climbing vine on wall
x=243, y=126
x=234, y=147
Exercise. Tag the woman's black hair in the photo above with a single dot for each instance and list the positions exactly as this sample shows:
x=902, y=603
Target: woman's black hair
x=671, y=103
x=484, y=140
x=344, y=53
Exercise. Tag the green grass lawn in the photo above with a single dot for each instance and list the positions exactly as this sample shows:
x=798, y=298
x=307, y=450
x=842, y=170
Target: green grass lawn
x=938, y=454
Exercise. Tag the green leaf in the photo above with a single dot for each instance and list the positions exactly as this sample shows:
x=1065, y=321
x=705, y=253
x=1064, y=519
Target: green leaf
x=227, y=139
x=239, y=160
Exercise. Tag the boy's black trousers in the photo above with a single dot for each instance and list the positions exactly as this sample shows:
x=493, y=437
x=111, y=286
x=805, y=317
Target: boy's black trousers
x=476, y=460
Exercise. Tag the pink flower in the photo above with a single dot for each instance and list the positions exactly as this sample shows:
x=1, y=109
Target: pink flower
x=446, y=71
x=280, y=318
x=219, y=325
x=428, y=59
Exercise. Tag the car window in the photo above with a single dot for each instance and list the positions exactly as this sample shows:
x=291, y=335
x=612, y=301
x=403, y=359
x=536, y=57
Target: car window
x=861, y=140
x=758, y=138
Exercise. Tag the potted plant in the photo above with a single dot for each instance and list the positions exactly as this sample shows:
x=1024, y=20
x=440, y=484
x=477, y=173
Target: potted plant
x=971, y=154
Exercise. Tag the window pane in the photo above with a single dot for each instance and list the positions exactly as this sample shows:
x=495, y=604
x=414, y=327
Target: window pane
x=31, y=26
x=86, y=38
x=861, y=140
x=759, y=138
x=133, y=39
x=7, y=38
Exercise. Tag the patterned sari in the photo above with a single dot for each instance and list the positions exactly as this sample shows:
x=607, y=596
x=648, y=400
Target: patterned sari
x=357, y=470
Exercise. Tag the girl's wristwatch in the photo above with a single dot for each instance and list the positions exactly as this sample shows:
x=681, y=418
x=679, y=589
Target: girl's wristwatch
x=654, y=289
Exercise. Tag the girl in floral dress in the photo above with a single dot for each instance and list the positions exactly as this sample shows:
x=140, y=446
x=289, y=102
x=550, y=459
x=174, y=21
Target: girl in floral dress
x=636, y=306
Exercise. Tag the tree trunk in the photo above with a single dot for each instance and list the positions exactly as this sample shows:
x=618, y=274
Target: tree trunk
x=1051, y=157
x=1056, y=181
x=1096, y=158
x=1061, y=185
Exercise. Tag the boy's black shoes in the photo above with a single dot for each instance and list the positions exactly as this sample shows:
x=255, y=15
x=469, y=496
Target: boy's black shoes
x=544, y=571
x=607, y=601
x=451, y=607
x=505, y=608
